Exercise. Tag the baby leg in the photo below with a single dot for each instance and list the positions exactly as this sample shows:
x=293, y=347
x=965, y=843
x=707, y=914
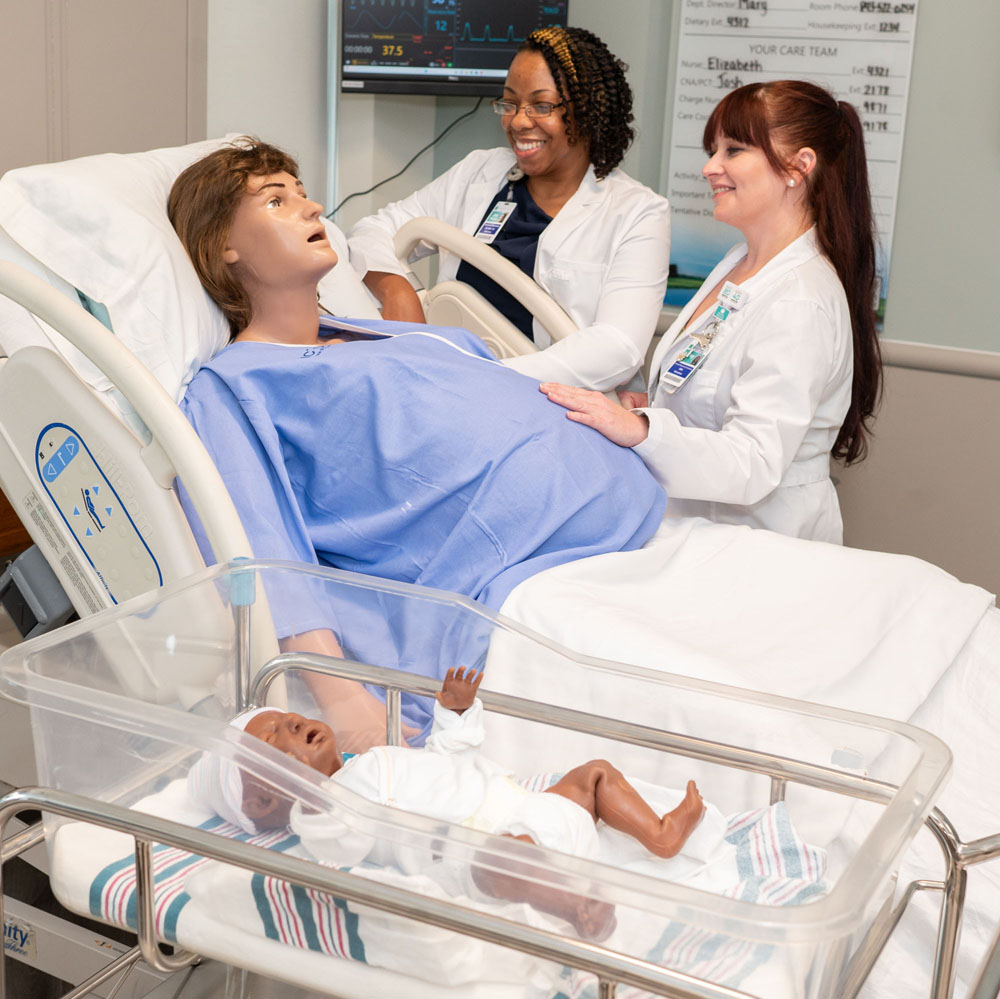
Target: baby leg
x=602, y=790
x=593, y=920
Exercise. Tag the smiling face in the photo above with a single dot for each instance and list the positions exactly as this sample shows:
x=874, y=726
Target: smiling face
x=307, y=740
x=277, y=238
x=746, y=190
x=541, y=145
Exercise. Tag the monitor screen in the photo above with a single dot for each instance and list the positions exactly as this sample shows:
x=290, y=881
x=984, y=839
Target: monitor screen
x=446, y=47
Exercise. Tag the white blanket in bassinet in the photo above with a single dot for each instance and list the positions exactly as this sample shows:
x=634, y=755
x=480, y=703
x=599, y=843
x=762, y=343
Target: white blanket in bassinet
x=249, y=919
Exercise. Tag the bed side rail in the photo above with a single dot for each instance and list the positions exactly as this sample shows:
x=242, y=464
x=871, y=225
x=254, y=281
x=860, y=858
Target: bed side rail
x=176, y=448
x=435, y=232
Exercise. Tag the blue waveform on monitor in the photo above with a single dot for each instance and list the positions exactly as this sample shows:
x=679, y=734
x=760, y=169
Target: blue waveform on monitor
x=487, y=35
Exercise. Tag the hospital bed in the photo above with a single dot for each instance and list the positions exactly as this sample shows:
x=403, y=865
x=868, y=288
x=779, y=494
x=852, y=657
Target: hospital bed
x=127, y=272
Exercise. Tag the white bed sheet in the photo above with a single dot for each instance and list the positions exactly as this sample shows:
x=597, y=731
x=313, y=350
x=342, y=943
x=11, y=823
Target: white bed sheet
x=885, y=634
x=963, y=709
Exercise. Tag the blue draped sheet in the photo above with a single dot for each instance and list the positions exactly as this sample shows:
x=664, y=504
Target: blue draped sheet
x=410, y=454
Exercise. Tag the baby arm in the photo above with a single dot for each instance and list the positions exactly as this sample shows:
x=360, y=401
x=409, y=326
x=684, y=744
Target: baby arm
x=459, y=689
x=458, y=714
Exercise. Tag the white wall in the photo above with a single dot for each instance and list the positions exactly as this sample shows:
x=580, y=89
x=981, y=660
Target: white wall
x=376, y=135
x=944, y=253
x=267, y=76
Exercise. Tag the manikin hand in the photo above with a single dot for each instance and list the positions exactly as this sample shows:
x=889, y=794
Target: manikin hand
x=594, y=409
x=459, y=689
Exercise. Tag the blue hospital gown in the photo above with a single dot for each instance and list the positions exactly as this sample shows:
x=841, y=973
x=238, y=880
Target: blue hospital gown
x=411, y=455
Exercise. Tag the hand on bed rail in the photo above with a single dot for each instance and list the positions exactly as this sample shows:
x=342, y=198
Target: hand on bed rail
x=459, y=689
x=616, y=421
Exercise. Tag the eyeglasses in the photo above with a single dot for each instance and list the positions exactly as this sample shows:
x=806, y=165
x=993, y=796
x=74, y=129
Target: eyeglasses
x=540, y=110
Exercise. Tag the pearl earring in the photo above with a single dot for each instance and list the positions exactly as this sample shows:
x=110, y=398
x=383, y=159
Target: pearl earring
x=791, y=182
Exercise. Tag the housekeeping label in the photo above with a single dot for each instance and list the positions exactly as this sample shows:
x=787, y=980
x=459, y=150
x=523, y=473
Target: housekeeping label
x=19, y=939
x=861, y=50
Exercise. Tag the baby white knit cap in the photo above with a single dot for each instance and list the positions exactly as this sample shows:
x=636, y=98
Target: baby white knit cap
x=216, y=783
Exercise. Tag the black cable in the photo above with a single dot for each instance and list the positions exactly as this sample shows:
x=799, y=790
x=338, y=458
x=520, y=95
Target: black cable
x=358, y=194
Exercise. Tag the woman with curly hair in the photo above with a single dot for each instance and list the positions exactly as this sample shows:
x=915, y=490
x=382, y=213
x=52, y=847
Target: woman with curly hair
x=592, y=237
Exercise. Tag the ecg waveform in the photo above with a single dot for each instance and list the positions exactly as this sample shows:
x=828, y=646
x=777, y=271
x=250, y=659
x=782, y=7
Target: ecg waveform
x=508, y=37
x=519, y=18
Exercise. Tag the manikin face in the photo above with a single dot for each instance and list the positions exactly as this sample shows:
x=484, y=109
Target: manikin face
x=310, y=741
x=540, y=144
x=277, y=236
x=745, y=188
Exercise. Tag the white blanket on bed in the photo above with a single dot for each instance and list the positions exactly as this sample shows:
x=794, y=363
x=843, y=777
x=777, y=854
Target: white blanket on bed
x=885, y=634
x=860, y=630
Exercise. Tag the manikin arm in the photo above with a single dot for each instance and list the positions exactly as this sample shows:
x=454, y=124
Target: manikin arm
x=396, y=296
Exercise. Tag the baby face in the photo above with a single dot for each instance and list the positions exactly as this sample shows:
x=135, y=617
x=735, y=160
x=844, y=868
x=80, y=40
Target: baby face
x=305, y=739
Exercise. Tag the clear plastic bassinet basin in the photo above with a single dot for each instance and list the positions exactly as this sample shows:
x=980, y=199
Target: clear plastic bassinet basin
x=124, y=704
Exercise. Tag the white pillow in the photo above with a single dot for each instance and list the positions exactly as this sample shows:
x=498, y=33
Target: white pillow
x=18, y=327
x=100, y=223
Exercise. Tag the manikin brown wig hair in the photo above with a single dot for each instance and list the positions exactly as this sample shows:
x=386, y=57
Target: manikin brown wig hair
x=202, y=205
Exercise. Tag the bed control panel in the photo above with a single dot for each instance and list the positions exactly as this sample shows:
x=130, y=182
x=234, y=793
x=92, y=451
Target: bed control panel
x=94, y=512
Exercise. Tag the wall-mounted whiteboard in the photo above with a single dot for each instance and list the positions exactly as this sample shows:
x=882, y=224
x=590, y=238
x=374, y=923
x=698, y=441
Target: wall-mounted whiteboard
x=860, y=51
x=947, y=217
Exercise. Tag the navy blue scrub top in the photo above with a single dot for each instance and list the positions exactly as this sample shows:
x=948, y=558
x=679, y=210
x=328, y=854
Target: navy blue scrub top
x=518, y=242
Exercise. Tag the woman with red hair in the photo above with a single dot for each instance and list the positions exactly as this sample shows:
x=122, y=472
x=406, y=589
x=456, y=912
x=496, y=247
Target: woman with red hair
x=774, y=364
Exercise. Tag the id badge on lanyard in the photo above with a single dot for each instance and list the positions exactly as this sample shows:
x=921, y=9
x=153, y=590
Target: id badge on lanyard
x=496, y=220
x=699, y=346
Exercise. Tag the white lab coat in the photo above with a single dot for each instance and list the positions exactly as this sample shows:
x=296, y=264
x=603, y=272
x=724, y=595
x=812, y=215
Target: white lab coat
x=604, y=258
x=747, y=439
